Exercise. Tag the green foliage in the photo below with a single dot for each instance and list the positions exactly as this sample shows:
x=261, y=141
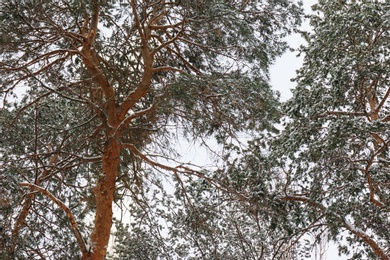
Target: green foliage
x=210, y=63
x=221, y=105
x=37, y=146
x=326, y=175
x=335, y=145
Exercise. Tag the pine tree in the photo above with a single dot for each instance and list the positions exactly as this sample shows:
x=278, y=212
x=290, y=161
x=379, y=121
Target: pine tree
x=102, y=84
x=335, y=147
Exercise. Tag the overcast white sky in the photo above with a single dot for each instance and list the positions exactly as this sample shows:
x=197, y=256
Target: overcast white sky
x=284, y=68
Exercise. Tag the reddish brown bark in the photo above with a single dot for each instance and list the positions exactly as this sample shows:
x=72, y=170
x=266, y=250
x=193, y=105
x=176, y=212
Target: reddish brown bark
x=374, y=246
x=104, y=194
x=105, y=187
x=21, y=219
x=114, y=123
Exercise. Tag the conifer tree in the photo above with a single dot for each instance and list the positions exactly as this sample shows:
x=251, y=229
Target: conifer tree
x=335, y=147
x=93, y=93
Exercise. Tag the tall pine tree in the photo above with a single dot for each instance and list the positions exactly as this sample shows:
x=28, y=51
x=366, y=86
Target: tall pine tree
x=95, y=91
x=335, y=148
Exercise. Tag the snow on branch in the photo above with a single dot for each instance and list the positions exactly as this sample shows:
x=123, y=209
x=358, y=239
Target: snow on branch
x=69, y=214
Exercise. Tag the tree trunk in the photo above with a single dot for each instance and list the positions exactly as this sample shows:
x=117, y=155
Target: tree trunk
x=104, y=194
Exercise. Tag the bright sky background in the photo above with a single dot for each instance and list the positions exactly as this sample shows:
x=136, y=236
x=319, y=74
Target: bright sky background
x=284, y=68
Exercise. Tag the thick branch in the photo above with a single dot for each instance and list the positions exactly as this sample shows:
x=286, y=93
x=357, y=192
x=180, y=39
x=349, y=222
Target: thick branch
x=140, y=155
x=370, y=182
x=91, y=59
x=368, y=240
x=69, y=214
x=93, y=27
x=383, y=101
x=182, y=169
x=167, y=68
x=165, y=27
x=132, y=116
x=147, y=56
x=21, y=219
x=386, y=119
x=360, y=233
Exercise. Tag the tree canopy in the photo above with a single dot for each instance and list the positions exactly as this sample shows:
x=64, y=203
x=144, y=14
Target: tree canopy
x=326, y=176
x=335, y=147
x=97, y=96
x=94, y=93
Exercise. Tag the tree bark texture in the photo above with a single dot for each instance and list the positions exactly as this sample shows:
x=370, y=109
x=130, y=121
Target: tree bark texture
x=104, y=195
